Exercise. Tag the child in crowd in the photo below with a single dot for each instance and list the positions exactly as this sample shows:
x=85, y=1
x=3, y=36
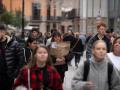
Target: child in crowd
x=39, y=74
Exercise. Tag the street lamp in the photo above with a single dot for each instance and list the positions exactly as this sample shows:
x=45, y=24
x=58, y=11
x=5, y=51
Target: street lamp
x=23, y=7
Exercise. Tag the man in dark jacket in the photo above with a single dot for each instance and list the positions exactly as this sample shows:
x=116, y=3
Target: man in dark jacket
x=76, y=48
x=11, y=59
x=35, y=34
x=101, y=28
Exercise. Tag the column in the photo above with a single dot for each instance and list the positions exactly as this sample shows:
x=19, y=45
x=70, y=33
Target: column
x=83, y=16
x=43, y=16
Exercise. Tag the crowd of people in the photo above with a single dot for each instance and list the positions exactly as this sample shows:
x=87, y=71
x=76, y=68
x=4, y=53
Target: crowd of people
x=31, y=66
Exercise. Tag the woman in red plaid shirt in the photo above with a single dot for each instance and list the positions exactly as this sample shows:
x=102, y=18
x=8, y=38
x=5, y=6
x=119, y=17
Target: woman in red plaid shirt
x=43, y=75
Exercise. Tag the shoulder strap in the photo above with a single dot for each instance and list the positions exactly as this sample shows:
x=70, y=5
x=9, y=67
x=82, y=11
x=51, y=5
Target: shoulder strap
x=110, y=70
x=29, y=79
x=24, y=55
x=86, y=70
x=74, y=45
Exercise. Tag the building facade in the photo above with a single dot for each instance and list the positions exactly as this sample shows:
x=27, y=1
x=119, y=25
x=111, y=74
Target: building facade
x=35, y=11
x=82, y=15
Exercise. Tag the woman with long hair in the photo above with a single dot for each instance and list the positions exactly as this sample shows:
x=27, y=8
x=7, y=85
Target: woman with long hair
x=43, y=75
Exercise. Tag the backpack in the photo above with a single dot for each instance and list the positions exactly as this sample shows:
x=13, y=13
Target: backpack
x=87, y=68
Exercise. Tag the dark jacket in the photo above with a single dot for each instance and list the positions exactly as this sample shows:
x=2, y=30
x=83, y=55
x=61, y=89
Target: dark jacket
x=27, y=54
x=76, y=48
x=79, y=46
x=40, y=39
x=90, y=44
x=13, y=57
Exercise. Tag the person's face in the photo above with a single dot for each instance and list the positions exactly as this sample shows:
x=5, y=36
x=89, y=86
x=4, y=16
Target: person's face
x=116, y=46
x=41, y=55
x=57, y=38
x=102, y=30
x=33, y=45
x=99, y=51
x=34, y=33
x=2, y=34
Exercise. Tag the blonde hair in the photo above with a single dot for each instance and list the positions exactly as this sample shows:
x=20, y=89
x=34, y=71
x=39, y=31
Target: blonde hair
x=98, y=41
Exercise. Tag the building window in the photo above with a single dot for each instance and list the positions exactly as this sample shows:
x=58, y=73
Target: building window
x=69, y=14
x=36, y=11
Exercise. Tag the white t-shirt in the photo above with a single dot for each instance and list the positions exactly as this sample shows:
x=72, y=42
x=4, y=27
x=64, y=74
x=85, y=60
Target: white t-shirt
x=48, y=41
x=115, y=60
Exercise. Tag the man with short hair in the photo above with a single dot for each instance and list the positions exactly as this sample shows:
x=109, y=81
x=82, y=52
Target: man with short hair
x=101, y=28
x=35, y=34
x=11, y=59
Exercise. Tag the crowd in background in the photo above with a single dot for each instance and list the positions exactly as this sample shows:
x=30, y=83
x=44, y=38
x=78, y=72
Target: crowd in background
x=27, y=61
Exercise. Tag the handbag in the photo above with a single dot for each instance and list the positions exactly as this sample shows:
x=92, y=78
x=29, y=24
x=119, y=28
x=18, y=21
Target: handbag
x=67, y=84
x=21, y=87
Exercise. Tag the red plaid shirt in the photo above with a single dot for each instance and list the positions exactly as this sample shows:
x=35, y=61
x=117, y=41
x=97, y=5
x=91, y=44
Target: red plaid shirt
x=36, y=79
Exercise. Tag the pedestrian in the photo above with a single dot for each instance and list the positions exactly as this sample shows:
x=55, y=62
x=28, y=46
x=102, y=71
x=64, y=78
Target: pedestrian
x=59, y=62
x=42, y=76
x=76, y=49
x=11, y=59
x=35, y=34
x=97, y=73
x=114, y=56
x=101, y=28
x=31, y=45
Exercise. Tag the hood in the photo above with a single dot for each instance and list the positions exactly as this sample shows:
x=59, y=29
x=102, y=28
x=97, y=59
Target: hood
x=8, y=38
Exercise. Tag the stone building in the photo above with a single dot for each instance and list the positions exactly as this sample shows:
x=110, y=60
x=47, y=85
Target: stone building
x=82, y=15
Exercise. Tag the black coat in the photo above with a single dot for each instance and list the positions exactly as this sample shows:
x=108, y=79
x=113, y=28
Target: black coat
x=14, y=58
x=79, y=47
x=27, y=54
x=76, y=48
x=91, y=42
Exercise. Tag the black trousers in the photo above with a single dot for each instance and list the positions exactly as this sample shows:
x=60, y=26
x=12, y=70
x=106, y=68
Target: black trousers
x=77, y=58
x=61, y=70
x=6, y=82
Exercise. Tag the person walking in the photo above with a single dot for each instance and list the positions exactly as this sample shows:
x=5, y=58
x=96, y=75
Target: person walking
x=42, y=75
x=31, y=45
x=96, y=73
x=101, y=28
x=59, y=61
x=11, y=59
x=35, y=34
x=114, y=56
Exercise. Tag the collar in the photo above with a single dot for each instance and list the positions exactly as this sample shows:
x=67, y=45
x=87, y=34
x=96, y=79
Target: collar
x=100, y=37
x=92, y=59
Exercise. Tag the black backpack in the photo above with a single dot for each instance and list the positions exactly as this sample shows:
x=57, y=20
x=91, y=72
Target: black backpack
x=87, y=68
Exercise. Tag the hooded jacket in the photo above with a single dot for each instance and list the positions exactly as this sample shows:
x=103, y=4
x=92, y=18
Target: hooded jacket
x=97, y=75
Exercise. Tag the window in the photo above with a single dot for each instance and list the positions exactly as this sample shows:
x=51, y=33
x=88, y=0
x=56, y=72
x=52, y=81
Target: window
x=70, y=14
x=36, y=11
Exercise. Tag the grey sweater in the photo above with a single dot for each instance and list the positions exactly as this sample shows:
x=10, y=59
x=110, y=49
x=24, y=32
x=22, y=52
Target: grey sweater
x=98, y=75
